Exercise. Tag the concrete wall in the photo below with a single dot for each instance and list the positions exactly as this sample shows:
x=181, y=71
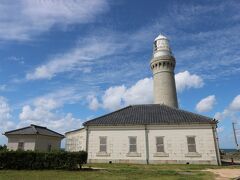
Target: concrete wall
x=29, y=142
x=176, y=149
x=164, y=89
x=33, y=142
x=42, y=143
x=76, y=140
x=117, y=145
x=175, y=144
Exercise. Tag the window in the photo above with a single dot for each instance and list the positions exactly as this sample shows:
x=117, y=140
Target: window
x=191, y=144
x=49, y=147
x=20, y=145
x=132, y=144
x=155, y=45
x=159, y=144
x=103, y=144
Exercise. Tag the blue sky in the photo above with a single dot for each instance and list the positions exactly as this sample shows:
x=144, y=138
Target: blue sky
x=65, y=62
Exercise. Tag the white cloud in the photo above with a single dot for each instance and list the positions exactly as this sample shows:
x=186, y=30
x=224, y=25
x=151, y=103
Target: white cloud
x=142, y=92
x=220, y=129
x=5, y=113
x=6, y=122
x=119, y=96
x=185, y=80
x=221, y=115
x=231, y=112
x=51, y=119
x=45, y=111
x=113, y=97
x=93, y=102
x=235, y=104
x=206, y=104
x=88, y=52
x=20, y=20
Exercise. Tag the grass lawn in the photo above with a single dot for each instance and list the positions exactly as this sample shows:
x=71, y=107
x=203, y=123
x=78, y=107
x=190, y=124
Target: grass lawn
x=116, y=171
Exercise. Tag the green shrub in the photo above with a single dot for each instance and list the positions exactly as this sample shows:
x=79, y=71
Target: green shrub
x=42, y=160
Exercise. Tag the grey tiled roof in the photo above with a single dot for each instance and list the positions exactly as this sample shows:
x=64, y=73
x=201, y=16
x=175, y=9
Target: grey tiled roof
x=75, y=130
x=152, y=114
x=34, y=129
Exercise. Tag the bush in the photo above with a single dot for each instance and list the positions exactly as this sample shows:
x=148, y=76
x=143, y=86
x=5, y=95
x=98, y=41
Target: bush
x=42, y=160
x=3, y=148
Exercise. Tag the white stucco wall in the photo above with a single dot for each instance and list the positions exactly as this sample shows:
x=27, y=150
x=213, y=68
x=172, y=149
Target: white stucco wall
x=175, y=143
x=33, y=142
x=76, y=140
x=42, y=143
x=117, y=144
x=29, y=142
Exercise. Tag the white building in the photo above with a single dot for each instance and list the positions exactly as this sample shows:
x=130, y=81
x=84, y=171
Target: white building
x=33, y=138
x=156, y=133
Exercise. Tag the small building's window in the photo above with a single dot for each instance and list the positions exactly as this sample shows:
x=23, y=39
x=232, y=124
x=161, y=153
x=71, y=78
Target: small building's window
x=49, y=147
x=20, y=145
x=103, y=144
x=132, y=144
x=191, y=144
x=160, y=144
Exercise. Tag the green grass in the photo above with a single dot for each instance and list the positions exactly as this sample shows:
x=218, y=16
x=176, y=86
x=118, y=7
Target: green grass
x=116, y=171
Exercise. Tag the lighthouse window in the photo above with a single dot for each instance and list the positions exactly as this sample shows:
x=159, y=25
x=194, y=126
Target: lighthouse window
x=155, y=45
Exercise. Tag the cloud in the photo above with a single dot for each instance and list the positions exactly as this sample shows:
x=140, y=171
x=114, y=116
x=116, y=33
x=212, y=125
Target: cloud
x=6, y=122
x=86, y=54
x=46, y=117
x=56, y=99
x=185, y=80
x=231, y=112
x=119, y=96
x=206, y=104
x=235, y=104
x=113, y=97
x=141, y=92
x=45, y=110
x=5, y=114
x=23, y=19
x=93, y=102
x=16, y=59
x=3, y=87
x=220, y=129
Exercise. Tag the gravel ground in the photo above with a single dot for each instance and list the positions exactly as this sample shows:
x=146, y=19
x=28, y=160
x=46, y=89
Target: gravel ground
x=223, y=174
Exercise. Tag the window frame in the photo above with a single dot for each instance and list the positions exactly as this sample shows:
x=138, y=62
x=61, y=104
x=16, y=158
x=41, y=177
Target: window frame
x=132, y=144
x=103, y=144
x=190, y=145
x=49, y=147
x=159, y=145
x=21, y=146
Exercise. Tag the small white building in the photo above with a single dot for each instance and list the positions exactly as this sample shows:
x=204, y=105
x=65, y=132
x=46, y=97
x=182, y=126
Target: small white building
x=157, y=133
x=35, y=138
x=76, y=140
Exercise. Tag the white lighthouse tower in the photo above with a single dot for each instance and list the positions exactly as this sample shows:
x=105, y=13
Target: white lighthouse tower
x=162, y=65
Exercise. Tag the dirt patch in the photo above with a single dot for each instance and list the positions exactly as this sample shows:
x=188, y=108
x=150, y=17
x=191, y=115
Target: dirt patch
x=223, y=174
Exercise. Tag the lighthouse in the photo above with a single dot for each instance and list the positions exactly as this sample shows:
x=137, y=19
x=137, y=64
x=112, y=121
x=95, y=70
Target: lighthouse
x=163, y=65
